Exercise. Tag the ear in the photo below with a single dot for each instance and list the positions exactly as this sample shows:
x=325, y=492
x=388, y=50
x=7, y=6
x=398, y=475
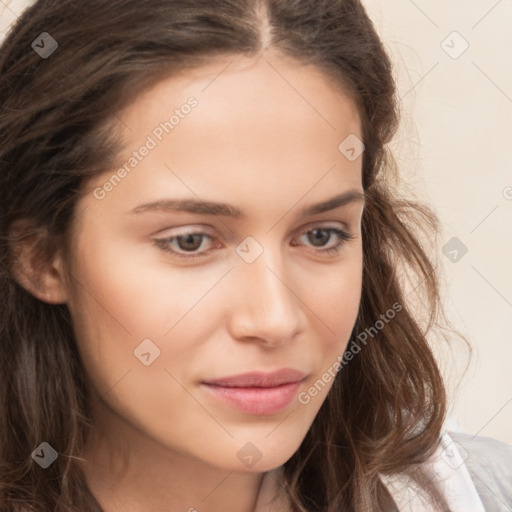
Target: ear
x=36, y=267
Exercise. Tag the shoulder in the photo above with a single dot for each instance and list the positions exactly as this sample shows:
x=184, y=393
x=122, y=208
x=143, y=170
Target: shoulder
x=489, y=463
x=474, y=474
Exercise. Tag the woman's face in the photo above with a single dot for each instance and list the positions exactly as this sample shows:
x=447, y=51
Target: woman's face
x=165, y=300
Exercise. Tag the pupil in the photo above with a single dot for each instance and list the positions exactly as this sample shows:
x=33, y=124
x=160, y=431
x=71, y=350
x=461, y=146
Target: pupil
x=189, y=239
x=316, y=231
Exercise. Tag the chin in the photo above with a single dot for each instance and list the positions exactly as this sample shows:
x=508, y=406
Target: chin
x=268, y=453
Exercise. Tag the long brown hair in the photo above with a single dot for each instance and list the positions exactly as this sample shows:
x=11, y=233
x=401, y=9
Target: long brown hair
x=385, y=411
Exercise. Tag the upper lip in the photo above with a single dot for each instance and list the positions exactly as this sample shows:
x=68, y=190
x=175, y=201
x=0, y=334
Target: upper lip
x=259, y=379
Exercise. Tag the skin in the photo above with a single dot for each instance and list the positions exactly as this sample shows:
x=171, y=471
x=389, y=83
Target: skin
x=270, y=149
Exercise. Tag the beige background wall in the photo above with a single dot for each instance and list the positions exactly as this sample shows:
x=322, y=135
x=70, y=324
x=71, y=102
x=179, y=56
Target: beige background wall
x=454, y=149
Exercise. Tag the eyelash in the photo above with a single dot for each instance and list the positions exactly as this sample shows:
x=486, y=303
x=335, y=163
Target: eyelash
x=343, y=237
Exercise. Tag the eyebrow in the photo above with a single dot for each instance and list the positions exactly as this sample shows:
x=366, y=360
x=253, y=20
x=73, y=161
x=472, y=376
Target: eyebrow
x=228, y=210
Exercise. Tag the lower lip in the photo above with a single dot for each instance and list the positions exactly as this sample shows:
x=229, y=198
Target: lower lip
x=261, y=401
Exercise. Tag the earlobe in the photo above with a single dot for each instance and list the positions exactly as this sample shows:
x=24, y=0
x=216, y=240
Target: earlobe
x=41, y=274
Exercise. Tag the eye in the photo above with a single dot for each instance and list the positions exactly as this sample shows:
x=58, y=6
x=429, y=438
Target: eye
x=187, y=244
x=320, y=234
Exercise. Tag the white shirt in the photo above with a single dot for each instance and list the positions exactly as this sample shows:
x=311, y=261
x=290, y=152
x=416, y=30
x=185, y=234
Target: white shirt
x=447, y=463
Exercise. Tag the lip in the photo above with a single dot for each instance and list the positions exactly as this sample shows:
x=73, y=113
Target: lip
x=257, y=392
x=259, y=379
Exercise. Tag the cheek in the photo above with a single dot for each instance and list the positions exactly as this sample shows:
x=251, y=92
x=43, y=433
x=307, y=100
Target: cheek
x=335, y=298
x=136, y=337
x=336, y=306
x=133, y=293
x=145, y=328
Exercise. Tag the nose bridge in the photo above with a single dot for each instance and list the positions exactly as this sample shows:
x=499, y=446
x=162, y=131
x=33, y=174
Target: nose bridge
x=267, y=306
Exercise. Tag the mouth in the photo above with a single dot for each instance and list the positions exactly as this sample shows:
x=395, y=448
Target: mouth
x=257, y=392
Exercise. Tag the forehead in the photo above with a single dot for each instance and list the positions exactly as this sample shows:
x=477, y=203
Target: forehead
x=245, y=91
x=262, y=131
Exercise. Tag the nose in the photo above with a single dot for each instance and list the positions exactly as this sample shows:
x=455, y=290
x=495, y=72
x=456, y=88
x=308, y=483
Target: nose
x=266, y=305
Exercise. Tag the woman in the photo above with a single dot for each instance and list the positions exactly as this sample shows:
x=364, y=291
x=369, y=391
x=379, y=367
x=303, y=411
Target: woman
x=177, y=334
